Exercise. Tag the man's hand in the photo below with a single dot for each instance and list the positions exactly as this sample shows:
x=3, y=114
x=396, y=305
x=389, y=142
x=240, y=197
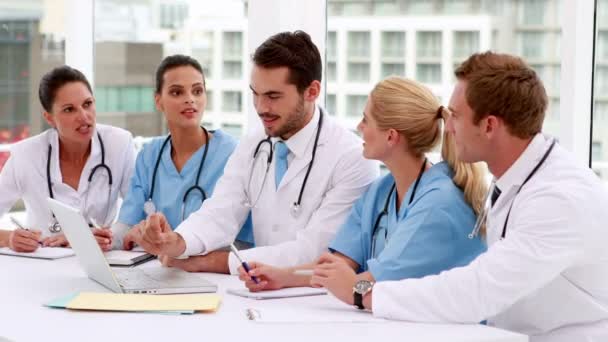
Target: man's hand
x=216, y=262
x=133, y=236
x=157, y=237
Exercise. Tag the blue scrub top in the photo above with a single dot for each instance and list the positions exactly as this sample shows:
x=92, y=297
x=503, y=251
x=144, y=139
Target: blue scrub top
x=171, y=185
x=426, y=237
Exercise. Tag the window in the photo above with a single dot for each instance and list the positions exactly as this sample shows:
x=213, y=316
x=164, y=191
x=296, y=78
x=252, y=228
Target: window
x=233, y=70
x=532, y=45
x=355, y=105
x=232, y=101
x=599, y=134
x=465, y=44
x=425, y=40
x=397, y=69
x=428, y=45
x=132, y=37
x=428, y=73
x=233, y=45
x=393, y=44
x=532, y=12
x=330, y=104
x=236, y=130
x=358, y=72
x=359, y=45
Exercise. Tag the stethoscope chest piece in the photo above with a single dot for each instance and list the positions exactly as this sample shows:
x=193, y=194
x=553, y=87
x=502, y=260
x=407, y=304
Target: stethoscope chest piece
x=295, y=210
x=55, y=227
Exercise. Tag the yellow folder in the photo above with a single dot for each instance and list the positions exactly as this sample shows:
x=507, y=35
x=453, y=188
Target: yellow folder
x=142, y=302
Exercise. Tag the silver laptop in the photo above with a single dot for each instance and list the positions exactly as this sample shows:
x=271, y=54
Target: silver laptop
x=151, y=280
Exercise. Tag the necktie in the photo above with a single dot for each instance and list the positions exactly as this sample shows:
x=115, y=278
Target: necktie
x=495, y=194
x=280, y=167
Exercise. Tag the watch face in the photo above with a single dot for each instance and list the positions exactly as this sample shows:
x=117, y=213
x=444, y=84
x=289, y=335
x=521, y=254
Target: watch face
x=362, y=286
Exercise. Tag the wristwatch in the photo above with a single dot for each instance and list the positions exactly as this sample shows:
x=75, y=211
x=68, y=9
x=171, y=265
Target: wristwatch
x=361, y=288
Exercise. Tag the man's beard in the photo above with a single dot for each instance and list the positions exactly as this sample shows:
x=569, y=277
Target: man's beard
x=294, y=121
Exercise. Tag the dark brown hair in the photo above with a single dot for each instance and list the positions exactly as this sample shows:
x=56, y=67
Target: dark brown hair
x=295, y=51
x=53, y=80
x=506, y=87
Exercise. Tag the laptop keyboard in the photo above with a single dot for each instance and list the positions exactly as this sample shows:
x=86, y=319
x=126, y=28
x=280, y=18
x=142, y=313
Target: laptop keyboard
x=140, y=278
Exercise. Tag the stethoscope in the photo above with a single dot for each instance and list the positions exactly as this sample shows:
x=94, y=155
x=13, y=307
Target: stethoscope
x=386, y=204
x=54, y=227
x=295, y=207
x=149, y=207
x=481, y=219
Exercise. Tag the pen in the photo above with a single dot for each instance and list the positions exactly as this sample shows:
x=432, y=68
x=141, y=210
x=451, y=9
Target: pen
x=243, y=263
x=18, y=224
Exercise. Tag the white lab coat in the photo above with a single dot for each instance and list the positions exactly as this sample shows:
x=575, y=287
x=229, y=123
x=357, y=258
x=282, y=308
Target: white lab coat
x=338, y=177
x=24, y=177
x=548, y=278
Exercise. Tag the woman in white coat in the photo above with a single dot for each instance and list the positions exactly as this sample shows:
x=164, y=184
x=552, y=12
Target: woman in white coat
x=77, y=162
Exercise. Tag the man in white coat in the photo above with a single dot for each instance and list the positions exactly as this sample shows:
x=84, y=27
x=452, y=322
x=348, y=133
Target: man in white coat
x=545, y=273
x=298, y=179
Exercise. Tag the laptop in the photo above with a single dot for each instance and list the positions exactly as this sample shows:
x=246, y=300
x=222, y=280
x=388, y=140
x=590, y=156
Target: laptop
x=151, y=280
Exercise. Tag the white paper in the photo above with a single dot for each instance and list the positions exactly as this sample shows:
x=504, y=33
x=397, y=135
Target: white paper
x=282, y=293
x=120, y=257
x=41, y=252
x=331, y=314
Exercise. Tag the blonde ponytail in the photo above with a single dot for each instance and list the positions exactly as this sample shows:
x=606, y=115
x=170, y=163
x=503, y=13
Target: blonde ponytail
x=411, y=108
x=469, y=177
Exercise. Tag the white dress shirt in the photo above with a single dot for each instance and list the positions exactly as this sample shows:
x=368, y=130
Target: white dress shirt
x=338, y=177
x=24, y=176
x=547, y=278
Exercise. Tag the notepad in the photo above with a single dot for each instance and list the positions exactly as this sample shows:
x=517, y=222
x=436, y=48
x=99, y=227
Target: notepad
x=282, y=293
x=126, y=258
x=318, y=315
x=138, y=302
x=41, y=253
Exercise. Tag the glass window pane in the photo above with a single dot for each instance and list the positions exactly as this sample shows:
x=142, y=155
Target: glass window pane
x=428, y=45
x=428, y=73
x=131, y=39
x=359, y=45
x=355, y=105
x=465, y=44
x=532, y=45
x=599, y=135
x=233, y=70
x=330, y=104
x=232, y=101
x=431, y=26
x=397, y=69
x=393, y=44
x=532, y=12
x=358, y=72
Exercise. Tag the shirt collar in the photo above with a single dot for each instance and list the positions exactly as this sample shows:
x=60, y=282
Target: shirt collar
x=298, y=143
x=527, y=161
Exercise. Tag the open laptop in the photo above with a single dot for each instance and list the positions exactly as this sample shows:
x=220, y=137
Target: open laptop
x=152, y=280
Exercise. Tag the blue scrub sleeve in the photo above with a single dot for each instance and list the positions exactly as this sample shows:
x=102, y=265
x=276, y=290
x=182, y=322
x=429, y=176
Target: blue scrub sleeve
x=132, y=209
x=351, y=239
x=422, y=244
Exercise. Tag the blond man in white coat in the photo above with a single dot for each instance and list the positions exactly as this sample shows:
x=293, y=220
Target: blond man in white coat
x=545, y=273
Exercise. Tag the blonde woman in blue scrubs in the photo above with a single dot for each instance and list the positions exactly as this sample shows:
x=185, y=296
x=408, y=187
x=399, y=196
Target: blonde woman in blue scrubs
x=411, y=222
x=174, y=174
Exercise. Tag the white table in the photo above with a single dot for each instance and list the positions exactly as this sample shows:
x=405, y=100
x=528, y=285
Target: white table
x=28, y=283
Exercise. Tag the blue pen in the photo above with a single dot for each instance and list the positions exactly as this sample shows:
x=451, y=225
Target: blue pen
x=243, y=263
